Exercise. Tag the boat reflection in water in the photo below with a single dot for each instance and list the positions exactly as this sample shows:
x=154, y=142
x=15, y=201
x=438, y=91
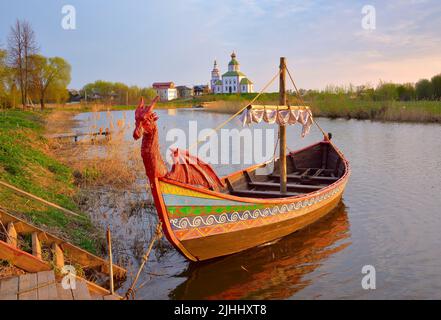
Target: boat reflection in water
x=274, y=271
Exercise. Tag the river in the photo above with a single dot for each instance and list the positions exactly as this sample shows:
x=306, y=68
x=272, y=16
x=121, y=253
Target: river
x=389, y=218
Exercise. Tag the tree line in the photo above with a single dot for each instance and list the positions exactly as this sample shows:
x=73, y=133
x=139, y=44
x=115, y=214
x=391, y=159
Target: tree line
x=424, y=89
x=115, y=93
x=26, y=75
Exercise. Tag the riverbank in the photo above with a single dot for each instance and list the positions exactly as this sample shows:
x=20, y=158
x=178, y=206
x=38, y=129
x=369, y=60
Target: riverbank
x=324, y=105
x=26, y=162
x=343, y=107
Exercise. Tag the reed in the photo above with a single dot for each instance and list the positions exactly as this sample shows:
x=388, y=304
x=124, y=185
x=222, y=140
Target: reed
x=344, y=107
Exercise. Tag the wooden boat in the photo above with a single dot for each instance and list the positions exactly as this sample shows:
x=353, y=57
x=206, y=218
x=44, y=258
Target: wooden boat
x=204, y=224
x=247, y=208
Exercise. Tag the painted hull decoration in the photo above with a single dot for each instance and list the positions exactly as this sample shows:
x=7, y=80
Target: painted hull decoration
x=205, y=216
x=204, y=224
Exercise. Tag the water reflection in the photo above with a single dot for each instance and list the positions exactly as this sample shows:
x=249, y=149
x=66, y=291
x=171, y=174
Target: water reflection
x=274, y=271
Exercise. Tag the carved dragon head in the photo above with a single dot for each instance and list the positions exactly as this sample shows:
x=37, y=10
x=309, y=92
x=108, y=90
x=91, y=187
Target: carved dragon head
x=145, y=118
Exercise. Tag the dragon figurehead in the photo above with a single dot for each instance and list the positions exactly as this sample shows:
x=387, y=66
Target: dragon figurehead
x=186, y=168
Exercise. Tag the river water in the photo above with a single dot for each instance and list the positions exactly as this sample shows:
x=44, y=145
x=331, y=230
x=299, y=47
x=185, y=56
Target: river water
x=389, y=218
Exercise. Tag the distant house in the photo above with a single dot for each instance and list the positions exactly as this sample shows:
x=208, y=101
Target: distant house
x=201, y=89
x=165, y=90
x=74, y=96
x=93, y=96
x=184, y=92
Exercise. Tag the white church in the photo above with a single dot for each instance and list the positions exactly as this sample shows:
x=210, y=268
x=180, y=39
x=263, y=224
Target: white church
x=233, y=81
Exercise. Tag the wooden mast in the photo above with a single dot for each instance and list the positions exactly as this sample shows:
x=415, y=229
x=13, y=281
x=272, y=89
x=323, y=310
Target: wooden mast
x=282, y=128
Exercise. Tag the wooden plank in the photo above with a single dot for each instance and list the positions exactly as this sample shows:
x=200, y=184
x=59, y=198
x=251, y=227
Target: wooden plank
x=111, y=297
x=27, y=287
x=262, y=194
x=21, y=259
x=290, y=186
x=9, y=288
x=324, y=170
x=296, y=177
x=81, y=292
x=64, y=294
x=319, y=172
x=22, y=228
x=293, y=161
x=248, y=176
x=337, y=166
x=93, y=288
x=12, y=235
x=324, y=155
x=36, y=245
x=47, y=289
x=96, y=297
x=75, y=254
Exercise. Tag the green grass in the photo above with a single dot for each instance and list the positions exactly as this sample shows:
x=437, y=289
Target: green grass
x=336, y=106
x=26, y=163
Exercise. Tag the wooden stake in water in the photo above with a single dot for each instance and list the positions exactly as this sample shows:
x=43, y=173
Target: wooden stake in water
x=109, y=245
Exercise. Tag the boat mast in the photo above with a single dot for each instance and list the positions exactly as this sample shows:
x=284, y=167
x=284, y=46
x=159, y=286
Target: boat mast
x=282, y=128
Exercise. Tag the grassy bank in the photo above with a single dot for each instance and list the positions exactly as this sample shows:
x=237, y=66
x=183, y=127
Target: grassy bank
x=105, y=107
x=25, y=162
x=335, y=106
x=322, y=104
x=404, y=111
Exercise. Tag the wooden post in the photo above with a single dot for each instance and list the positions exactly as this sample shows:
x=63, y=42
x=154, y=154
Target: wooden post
x=36, y=245
x=12, y=235
x=282, y=128
x=58, y=256
x=109, y=245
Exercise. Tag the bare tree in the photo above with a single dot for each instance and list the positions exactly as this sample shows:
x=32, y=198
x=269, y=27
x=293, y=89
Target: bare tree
x=21, y=45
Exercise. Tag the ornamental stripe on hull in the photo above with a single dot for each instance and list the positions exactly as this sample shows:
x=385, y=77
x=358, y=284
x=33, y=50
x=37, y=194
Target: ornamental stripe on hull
x=193, y=220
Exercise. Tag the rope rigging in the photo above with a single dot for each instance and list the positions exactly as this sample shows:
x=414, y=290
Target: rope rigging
x=236, y=114
x=325, y=135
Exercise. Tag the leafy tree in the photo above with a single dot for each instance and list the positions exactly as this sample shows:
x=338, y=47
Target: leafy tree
x=148, y=93
x=99, y=90
x=406, y=92
x=386, y=92
x=436, y=86
x=424, y=90
x=119, y=93
x=49, y=75
x=3, y=75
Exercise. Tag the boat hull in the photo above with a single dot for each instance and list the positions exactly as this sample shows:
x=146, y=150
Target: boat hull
x=204, y=224
x=225, y=243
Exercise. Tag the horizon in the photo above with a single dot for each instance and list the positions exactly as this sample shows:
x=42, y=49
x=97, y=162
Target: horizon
x=324, y=44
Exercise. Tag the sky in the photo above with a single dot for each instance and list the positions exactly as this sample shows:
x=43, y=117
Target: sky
x=139, y=42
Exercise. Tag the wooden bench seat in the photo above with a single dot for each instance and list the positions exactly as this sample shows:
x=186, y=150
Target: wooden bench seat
x=297, y=177
x=262, y=194
x=290, y=186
